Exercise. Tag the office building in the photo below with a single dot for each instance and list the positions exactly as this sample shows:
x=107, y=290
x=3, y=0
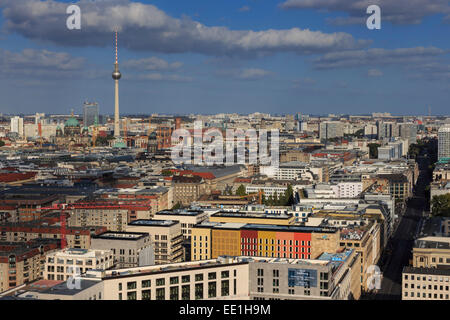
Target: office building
x=425, y=283
x=90, y=113
x=444, y=143
x=213, y=239
x=331, y=129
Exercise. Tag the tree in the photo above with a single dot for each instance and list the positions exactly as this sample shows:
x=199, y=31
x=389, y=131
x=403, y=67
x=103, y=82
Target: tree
x=103, y=141
x=2, y=143
x=166, y=173
x=441, y=205
x=241, y=191
x=289, y=196
x=373, y=150
x=177, y=206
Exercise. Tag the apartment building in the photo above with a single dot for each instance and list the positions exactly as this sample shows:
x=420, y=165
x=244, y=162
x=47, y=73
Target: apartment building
x=130, y=249
x=62, y=264
x=187, y=189
x=112, y=218
x=214, y=239
x=76, y=237
x=21, y=263
x=166, y=236
x=152, y=198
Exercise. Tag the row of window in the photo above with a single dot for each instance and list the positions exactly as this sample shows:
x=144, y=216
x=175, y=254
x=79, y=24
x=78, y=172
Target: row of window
x=175, y=280
x=174, y=292
x=426, y=278
x=412, y=294
x=285, y=242
x=255, y=247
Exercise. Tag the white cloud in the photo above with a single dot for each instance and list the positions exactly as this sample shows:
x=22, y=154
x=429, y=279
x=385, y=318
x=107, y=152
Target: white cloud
x=145, y=27
x=245, y=73
x=156, y=76
x=374, y=73
x=395, y=11
x=153, y=64
x=244, y=9
x=376, y=56
x=42, y=63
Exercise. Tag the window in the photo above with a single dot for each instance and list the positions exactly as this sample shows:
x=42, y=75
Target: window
x=160, y=282
x=199, y=291
x=174, y=293
x=131, y=285
x=160, y=294
x=185, y=279
x=120, y=286
x=185, y=292
x=225, y=274
x=146, y=294
x=212, y=293
x=146, y=283
x=199, y=277
x=211, y=276
x=225, y=291
x=174, y=280
x=131, y=295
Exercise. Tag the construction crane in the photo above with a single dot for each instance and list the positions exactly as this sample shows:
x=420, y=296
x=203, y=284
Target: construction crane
x=125, y=131
x=95, y=132
x=40, y=133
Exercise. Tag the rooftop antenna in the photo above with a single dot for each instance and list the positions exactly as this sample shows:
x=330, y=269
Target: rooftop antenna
x=116, y=36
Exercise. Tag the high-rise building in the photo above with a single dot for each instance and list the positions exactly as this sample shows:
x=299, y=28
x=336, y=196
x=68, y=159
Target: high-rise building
x=17, y=125
x=444, y=142
x=90, y=113
x=331, y=129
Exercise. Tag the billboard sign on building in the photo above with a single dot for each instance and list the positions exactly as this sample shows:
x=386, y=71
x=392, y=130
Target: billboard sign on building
x=302, y=278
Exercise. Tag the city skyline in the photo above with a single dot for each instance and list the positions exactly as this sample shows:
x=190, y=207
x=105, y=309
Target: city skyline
x=226, y=57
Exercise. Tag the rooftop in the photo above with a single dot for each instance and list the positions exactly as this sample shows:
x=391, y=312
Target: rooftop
x=153, y=223
x=428, y=271
x=110, y=235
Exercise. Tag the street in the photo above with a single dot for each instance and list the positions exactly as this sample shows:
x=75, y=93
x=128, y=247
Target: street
x=401, y=242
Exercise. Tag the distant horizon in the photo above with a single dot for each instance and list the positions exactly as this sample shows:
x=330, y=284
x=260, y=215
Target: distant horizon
x=240, y=114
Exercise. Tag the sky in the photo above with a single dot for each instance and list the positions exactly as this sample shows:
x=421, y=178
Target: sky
x=202, y=56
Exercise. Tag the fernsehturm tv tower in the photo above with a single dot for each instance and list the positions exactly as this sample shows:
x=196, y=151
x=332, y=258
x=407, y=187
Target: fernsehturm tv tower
x=116, y=76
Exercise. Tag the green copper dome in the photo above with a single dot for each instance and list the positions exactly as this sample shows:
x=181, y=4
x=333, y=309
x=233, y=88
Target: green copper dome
x=72, y=122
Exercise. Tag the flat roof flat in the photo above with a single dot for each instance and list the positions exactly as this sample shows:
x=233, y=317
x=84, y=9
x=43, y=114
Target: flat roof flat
x=111, y=235
x=179, y=212
x=153, y=223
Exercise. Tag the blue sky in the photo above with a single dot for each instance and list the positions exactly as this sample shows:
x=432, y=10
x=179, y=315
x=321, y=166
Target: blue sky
x=203, y=56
